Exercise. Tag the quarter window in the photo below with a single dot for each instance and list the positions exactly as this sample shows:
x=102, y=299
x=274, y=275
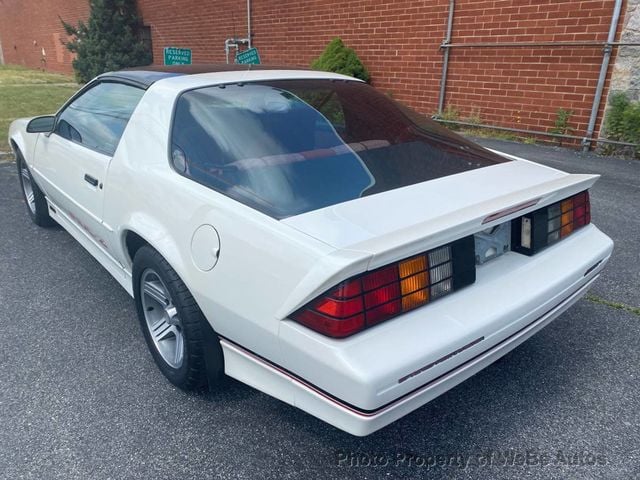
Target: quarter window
x=98, y=117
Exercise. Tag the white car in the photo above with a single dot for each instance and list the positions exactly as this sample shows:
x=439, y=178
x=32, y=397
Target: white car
x=307, y=235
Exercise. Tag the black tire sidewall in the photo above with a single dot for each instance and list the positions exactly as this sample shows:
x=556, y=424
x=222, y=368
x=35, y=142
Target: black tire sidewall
x=41, y=215
x=182, y=377
x=20, y=163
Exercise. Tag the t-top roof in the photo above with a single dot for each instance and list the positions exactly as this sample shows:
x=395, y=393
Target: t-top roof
x=147, y=75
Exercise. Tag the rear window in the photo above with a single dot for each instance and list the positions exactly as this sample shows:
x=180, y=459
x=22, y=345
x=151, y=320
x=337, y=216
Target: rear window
x=291, y=146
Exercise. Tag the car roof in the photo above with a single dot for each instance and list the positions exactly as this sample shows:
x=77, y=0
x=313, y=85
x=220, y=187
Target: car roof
x=148, y=75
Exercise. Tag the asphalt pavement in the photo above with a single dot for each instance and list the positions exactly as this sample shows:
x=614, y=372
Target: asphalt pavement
x=80, y=397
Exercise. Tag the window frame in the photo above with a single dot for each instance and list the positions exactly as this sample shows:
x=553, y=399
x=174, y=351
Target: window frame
x=92, y=84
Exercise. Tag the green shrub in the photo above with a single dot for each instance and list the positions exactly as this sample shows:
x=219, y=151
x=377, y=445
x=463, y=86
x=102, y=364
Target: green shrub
x=631, y=123
x=623, y=121
x=613, y=125
x=108, y=41
x=561, y=124
x=339, y=58
x=450, y=113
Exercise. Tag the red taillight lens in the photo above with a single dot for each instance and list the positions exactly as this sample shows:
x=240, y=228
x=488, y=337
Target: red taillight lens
x=330, y=326
x=566, y=216
x=545, y=226
x=386, y=292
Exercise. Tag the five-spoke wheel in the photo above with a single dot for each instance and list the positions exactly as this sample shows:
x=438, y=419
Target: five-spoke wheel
x=34, y=197
x=182, y=342
x=27, y=187
x=162, y=318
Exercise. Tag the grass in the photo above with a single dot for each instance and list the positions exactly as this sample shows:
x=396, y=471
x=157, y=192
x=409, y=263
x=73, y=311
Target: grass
x=616, y=305
x=491, y=133
x=28, y=93
x=17, y=75
x=452, y=114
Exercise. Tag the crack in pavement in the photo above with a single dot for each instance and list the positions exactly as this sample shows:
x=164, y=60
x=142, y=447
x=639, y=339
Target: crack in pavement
x=616, y=305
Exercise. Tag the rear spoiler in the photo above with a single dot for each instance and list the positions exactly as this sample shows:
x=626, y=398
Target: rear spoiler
x=376, y=252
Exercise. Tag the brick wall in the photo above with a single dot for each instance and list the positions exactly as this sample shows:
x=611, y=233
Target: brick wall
x=526, y=86
x=27, y=27
x=397, y=40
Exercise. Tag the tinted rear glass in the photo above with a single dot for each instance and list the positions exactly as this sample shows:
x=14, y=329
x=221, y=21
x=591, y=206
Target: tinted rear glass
x=291, y=146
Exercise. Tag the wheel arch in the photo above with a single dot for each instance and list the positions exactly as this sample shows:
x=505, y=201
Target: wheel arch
x=17, y=139
x=134, y=236
x=15, y=146
x=133, y=241
x=146, y=230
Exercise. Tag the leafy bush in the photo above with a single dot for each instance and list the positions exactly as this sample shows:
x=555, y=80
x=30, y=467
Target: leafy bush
x=109, y=41
x=339, y=58
x=613, y=125
x=450, y=113
x=623, y=120
x=561, y=124
x=631, y=123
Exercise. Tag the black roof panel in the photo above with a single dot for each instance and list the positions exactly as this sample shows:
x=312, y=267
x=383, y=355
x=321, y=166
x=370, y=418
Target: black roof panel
x=146, y=76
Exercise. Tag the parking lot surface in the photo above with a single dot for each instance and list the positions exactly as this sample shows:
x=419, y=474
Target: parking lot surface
x=80, y=396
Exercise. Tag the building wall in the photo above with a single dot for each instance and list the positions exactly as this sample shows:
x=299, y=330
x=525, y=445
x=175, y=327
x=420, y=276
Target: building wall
x=397, y=40
x=29, y=28
x=626, y=72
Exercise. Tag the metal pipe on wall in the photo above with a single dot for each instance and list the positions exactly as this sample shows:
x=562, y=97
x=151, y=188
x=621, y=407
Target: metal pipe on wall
x=586, y=141
x=249, y=23
x=559, y=44
x=445, y=60
x=532, y=132
x=230, y=43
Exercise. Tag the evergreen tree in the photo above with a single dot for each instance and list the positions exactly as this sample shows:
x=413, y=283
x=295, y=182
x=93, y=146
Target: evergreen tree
x=339, y=58
x=108, y=41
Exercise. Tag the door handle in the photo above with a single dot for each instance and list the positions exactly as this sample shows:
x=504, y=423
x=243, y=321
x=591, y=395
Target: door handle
x=89, y=179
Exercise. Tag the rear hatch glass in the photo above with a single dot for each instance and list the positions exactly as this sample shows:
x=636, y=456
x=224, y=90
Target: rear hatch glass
x=292, y=146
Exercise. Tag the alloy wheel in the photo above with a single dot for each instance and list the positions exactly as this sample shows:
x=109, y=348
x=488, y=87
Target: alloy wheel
x=163, y=322
x=27, y=187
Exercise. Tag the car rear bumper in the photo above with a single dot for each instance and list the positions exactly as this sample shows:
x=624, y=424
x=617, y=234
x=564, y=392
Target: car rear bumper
x=367, y=381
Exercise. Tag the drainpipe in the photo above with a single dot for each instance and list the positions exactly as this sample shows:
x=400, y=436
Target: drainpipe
x=230, y=43
x=249, y=23
x=586, y=141
x=445, y=61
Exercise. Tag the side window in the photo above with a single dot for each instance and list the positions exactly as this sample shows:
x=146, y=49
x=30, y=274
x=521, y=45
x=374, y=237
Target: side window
x=99, y=116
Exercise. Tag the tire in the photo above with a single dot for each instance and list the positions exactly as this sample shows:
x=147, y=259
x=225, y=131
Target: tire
x=167, y=309
x=34, y=198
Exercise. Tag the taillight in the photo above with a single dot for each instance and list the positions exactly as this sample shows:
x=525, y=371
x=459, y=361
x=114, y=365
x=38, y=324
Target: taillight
x=378, y=295
x=536, y=230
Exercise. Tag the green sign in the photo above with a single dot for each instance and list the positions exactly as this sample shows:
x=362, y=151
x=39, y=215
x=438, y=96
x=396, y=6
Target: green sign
x=177, y=56
x=248, y=56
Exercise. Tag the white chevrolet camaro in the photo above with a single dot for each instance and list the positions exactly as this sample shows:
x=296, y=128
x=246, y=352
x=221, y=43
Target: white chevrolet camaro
x=307, y=235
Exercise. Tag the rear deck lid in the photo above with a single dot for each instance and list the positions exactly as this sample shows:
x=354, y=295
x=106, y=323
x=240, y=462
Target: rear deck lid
x=398, y=223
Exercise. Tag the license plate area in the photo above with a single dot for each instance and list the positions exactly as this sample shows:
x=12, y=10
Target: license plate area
x=492, y=243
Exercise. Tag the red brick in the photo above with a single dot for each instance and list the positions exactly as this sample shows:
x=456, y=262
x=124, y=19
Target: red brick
x=397, y=40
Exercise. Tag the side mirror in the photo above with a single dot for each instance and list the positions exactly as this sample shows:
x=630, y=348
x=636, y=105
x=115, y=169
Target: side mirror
x=41, y=124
